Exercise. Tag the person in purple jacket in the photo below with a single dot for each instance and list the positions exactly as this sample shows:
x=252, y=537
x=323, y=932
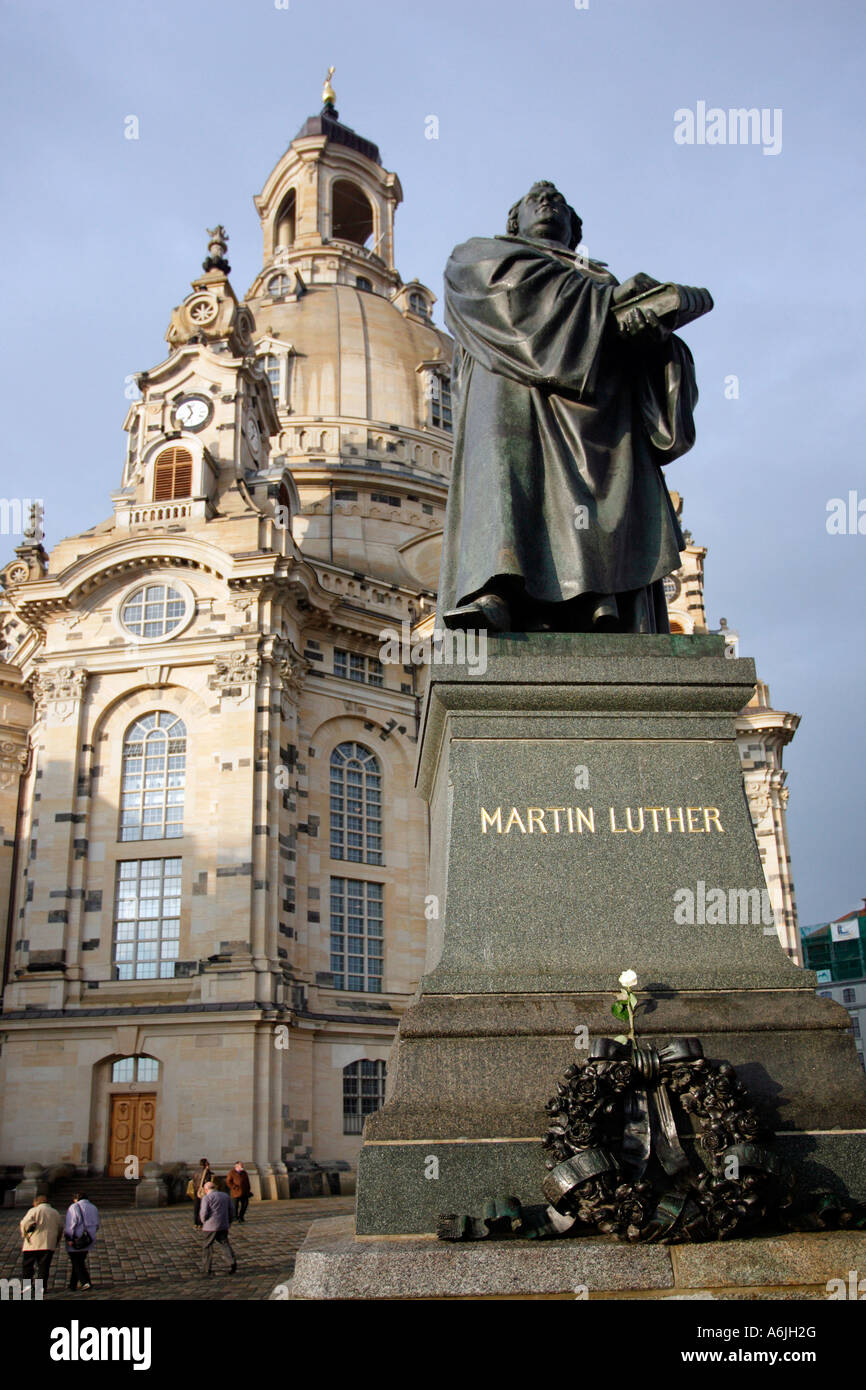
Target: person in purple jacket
x=216, y=1217
x=82, y=1223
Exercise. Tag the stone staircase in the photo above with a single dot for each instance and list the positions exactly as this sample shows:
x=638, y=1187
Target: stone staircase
x=104, y=1193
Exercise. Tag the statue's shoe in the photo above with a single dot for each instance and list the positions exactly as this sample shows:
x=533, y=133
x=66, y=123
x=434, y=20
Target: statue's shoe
x=605, y=615
x=488, y=613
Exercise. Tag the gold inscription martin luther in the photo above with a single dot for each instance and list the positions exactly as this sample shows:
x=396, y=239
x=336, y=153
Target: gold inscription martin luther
x=629, y=820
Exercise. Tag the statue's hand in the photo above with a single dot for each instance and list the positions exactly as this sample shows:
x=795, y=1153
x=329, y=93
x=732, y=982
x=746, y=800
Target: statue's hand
x=644, y=327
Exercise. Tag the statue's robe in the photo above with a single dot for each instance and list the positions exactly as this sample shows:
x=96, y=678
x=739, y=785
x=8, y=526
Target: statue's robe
x=560, y=431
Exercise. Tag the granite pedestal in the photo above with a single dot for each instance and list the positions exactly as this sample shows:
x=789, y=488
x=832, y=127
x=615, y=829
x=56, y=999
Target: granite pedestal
x=333, y=1264
x=588, y=816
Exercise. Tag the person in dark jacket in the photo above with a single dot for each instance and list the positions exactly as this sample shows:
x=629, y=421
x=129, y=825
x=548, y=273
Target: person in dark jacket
x=82, y=1223
x=203, y=1175
x=216, y=1218
x=238, y=1183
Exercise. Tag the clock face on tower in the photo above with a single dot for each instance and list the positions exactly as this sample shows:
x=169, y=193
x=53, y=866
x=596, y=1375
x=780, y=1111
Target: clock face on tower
x=192, y=412
x=251, y=430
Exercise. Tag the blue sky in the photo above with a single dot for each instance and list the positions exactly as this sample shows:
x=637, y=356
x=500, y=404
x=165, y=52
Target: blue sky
x=102, y=234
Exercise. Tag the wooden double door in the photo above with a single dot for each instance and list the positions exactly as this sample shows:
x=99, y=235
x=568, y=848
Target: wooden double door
x=131, y=1132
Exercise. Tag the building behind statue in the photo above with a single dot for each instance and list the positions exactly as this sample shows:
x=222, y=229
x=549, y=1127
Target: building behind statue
x=212, y=850
x=837, y=952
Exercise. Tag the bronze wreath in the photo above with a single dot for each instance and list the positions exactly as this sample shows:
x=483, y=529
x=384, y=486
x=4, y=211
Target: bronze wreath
x=617, y=1162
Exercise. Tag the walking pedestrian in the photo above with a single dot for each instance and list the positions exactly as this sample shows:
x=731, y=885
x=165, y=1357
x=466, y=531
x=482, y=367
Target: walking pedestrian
x=203, y=1175
x=82, y=1223
x=216, y=1216
x=41, y=1229
x=238, y=1182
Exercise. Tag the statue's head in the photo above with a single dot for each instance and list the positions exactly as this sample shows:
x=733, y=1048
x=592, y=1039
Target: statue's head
x=544, y=213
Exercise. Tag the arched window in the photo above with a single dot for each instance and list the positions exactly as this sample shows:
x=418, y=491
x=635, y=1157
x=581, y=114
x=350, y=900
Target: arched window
x=278, y=285
x=417, y=303
x=363, y=1092
x=351, y=214
x=172, y=475
x=271, y=364
x=363, y=283
x=356, y=804
x=285, y=221
x=153, y=777
x=135, y=1069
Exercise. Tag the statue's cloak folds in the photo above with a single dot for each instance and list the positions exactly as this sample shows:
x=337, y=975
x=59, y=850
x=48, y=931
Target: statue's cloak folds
x=560, y=428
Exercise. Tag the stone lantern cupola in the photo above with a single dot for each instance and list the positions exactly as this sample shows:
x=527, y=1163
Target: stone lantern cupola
x=358, y=369
x=327, y=210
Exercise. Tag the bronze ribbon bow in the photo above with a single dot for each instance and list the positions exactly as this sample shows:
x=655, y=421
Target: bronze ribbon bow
x=649, y=1122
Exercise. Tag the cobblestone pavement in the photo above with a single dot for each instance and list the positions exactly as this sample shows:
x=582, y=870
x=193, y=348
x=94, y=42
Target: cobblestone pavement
x=156, y=1254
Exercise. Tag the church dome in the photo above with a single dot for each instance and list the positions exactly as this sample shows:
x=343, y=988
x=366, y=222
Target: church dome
x=359, y=372
x=354, y=354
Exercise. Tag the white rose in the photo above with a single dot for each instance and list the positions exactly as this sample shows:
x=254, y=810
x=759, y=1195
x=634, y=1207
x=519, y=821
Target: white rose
x=628, y=979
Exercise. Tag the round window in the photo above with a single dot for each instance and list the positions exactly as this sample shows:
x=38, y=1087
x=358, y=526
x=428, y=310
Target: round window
x=153, y=610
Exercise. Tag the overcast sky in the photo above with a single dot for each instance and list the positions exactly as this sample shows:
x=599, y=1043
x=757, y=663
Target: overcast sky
x=102, y=234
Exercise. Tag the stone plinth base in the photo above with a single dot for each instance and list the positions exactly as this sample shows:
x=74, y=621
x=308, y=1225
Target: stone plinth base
x=586, y=795
x=30, y=1185
x=333, y=1264
x=151, y=1192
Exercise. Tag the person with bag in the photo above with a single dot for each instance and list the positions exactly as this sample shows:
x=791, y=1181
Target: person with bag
x=217, y=1216
x=238, y=1183
x=197, y=1183
x=82, y=1223
x=41, y=1229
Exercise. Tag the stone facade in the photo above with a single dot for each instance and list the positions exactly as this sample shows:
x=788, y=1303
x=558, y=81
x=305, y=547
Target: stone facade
x=762, y=735
x=279, y=510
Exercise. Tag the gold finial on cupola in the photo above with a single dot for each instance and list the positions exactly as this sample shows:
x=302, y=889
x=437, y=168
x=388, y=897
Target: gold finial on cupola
x=329, y=99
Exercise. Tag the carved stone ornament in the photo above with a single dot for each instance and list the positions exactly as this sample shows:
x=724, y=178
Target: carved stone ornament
x=244, y=606
x=759, y=804
x=238, y=669
x=202, y=309
x=217, y=247
x=17, y=573
x=212, y=314
x=60, y=688
x=13, y=760
x=291, y=666
x=272, y=648
x=293, y=670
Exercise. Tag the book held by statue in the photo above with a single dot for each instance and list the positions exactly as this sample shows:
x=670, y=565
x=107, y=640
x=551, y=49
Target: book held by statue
x=675, y=305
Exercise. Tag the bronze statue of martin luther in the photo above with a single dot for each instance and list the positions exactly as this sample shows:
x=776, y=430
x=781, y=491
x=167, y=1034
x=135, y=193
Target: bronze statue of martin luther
x=571, y=391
